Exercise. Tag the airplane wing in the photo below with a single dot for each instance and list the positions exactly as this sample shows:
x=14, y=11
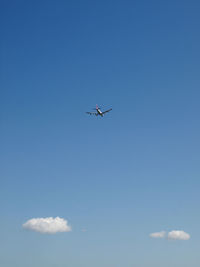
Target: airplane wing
x=92, y=113
x=107, y=111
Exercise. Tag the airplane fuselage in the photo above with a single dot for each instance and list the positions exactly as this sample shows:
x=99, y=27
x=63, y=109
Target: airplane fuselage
x=99, y=112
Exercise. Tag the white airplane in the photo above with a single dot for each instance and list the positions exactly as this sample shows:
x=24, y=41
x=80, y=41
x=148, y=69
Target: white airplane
x=98, y=112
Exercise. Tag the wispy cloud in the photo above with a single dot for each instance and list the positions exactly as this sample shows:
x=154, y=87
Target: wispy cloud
x=173, y=235
x=47, y=225
x=161, y=234
x=178, y=235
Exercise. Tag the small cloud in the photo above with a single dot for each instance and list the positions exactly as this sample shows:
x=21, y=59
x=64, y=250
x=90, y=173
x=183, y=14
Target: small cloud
x=84, y=230
x=47, y=225
x=158, y=234
x=178, y=235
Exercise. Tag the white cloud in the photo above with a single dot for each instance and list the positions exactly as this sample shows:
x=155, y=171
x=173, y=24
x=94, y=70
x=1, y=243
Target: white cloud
x=178, y=235
x=173, y=235
x=47, y=225
x=158, y=234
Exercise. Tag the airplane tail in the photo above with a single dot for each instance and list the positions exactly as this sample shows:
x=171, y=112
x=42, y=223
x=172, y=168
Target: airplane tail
x=97, y=106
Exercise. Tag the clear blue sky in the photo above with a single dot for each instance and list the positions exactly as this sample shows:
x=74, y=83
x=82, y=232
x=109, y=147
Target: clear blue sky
x=134, y=172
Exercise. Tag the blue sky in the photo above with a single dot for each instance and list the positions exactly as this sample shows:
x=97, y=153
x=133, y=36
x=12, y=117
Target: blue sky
x=121, y=177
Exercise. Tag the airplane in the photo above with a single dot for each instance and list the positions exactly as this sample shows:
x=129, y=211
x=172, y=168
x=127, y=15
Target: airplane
x=98, y=111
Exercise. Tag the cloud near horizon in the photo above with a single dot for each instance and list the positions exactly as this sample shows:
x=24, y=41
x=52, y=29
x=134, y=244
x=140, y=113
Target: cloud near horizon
x=47, y=225
x=161, y=234
x=178, y=235
x=173, y=235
